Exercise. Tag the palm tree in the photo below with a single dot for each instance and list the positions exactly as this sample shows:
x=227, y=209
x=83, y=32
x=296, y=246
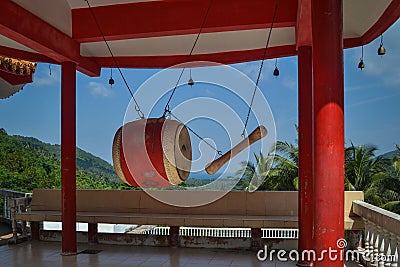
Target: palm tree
x=253, y=174
x=377, y=177
x=277, y=172
x=387, y=183
x=361, y=165
x=284, y=172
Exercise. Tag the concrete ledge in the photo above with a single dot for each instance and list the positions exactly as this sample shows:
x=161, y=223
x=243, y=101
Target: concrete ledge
x=383, y=218
x=185, y=241
x=262, y=209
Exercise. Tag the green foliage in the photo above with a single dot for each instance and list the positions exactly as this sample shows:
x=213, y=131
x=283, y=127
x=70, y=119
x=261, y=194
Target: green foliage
x=253, y=175
x=377, y=176
x=361, y=164
x=27, y=163
x=277, y=172
x=284, y=172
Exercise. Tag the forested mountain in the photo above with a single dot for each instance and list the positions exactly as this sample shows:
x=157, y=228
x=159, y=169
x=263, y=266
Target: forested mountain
x=390, y=155
x=27, y=163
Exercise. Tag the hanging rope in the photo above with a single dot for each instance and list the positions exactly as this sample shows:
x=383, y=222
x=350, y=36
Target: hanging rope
x=219, y=152
x=261, y=67
x=166, y=109
x=137, y=108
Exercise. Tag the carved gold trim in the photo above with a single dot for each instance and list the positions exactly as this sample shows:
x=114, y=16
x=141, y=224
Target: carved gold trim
x=17, y=66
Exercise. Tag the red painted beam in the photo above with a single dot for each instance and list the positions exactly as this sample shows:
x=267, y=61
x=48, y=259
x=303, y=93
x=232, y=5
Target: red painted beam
x=304, y=33
x=24, y=55
x=328, y=195
x=222, y=58
x=162, y=18
x=25, y=28
x=306, y=174
x=15, y=79
x=303, y=25
x=352, y=42
x=389, y=17
x=68, y=157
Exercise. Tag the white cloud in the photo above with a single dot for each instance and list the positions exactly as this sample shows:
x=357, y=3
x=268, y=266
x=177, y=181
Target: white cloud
x=360, y=87
x=42, y=75
x=99, y=89
x=372, y=100
x=384, y=68
x=289, y=83
x=251, y=69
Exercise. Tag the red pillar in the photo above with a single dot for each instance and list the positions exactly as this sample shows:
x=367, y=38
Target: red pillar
x=68, y=157
x=35, y=230
x=92, y=233
x=327, y=36
x=174, y=236
x=256, y=239
x=305, y=106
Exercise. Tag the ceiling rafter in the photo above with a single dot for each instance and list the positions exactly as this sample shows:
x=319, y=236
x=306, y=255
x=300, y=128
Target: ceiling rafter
x=167, y=18
x=27, y=29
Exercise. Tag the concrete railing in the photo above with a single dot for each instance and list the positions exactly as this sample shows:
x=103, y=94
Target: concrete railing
x=382, y=235
x=274, y=233
x=15, y=202
x=9, y=201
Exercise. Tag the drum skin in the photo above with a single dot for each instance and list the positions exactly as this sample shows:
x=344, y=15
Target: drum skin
x=152, y=153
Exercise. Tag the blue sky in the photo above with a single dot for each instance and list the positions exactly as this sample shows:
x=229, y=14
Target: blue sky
x=372, y=100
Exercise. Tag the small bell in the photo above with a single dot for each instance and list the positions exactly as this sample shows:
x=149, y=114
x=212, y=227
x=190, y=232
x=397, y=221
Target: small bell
x=191, y=82
x=111, y=80
x=276, y=72
x=361, y=64
x=381, y=50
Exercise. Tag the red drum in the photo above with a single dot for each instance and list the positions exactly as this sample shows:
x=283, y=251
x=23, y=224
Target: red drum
x=152, y=153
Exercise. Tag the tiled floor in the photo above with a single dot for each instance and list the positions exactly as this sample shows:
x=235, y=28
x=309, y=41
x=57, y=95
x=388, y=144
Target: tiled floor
x=48, y=254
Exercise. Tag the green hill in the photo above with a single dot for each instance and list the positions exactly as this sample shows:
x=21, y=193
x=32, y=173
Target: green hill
x=391, y=154
x=27, y=163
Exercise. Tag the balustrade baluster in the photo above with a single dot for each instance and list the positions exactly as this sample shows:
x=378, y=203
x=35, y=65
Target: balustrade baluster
x=387, y=248
x=397, y=251
x=372, y=242
x=381, y=247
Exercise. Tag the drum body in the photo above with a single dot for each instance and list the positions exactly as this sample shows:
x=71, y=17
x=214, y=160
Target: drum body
x=152, y=153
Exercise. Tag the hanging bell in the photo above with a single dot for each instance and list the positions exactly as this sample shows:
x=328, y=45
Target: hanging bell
x=111, y=81
x=361, y=64
x=276, y=72
x=381, y=50
x=191, y=82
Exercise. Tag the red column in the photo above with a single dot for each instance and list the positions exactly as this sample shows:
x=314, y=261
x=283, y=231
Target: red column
x=68, y=157
x=92, y=233
x=256, y=239
x=305, y=105
x=35, y=230
x=327, y=32
x=174, y=236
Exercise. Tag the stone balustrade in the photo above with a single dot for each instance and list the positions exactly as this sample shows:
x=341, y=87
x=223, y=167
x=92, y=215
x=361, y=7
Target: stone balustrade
x=382, y=235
